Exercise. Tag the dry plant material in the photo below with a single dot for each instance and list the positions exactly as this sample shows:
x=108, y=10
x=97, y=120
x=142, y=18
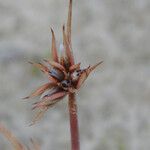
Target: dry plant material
x=65, y=78
x=17, y=145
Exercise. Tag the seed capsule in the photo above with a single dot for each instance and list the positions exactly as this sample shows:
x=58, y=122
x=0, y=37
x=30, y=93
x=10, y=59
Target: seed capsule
x=57, y=74
x=65, y=84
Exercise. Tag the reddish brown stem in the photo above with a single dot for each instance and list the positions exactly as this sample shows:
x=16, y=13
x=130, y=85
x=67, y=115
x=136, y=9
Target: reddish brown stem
x=75, y=144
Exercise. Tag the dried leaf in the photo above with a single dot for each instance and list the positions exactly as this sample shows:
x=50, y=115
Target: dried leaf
x=49, y=99
x=39, y=115
x=53, y=48
x=42, y=67
x=55, y=64
x=52, y=79
x=93, y=67
x=74, y=67
x=40, y=90
x=67, y=48
x=11, y=138
x=81, y=79
x=85, y=74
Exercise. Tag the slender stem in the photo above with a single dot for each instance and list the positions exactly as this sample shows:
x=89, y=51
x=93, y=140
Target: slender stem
x=75, y=144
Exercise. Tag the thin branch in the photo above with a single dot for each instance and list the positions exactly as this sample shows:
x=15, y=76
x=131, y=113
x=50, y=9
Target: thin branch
x=75, y=144
x=11, y=138
x=69, y=22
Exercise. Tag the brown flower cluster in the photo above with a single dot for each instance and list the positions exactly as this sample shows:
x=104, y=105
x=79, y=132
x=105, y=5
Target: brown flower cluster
x=65, y=76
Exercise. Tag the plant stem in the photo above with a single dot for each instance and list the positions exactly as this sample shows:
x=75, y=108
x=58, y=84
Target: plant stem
x=75, y=144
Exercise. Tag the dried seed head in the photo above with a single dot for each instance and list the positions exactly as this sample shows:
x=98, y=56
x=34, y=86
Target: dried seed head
x=65, y=76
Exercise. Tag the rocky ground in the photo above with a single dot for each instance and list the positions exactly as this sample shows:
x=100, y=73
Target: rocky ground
x=114, y=104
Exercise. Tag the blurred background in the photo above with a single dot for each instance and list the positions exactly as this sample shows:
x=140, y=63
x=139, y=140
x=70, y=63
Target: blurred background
x=114, y=103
